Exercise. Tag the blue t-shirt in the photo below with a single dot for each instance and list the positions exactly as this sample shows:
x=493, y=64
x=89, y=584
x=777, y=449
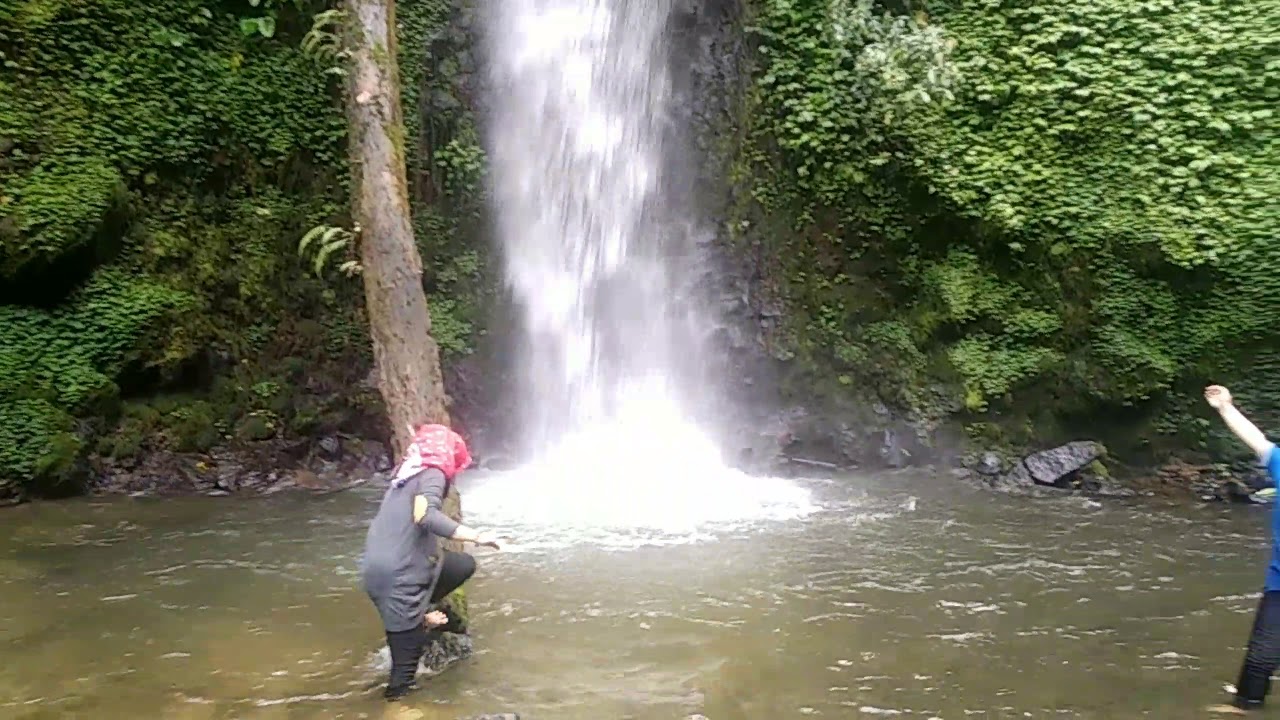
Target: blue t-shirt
x=1271, y=461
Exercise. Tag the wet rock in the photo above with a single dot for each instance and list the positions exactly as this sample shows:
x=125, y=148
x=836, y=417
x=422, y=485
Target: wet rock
x=1057, y=466
x=1178, y=479
x=444, y=650
x=892, y=451
x=989, y=464
x=279, y=486
x=1233, y=491
x=1066, y=470
x=1017, y=479
x=497, y=463
x=372, y=456
x=1095, y=486
x=330, y=447
x=308, y=480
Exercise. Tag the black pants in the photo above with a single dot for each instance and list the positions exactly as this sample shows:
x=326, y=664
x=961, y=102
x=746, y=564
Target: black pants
x=407, y=646
x=1263, y=655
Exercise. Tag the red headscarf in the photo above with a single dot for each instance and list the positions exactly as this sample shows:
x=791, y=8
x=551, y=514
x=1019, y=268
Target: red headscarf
x=434, y=446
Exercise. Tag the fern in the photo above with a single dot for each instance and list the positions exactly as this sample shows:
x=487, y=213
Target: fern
x=323, y=43
x=328, y=239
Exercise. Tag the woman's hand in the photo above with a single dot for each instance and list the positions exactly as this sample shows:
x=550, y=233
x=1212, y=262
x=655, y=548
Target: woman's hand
x=479, y=537
x=1218, y=397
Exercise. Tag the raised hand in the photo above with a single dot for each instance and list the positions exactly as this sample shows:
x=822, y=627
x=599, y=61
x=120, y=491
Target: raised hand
x=1217, y=396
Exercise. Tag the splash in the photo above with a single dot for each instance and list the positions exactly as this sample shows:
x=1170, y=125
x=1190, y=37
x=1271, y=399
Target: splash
x=647, y=476
x=596, y=256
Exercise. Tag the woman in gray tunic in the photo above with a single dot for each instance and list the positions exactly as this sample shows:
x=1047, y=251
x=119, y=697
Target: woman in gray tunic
x=404, y=571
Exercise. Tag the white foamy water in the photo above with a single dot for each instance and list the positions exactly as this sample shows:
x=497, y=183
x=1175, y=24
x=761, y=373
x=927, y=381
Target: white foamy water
x=643, y=477
x=593, y=256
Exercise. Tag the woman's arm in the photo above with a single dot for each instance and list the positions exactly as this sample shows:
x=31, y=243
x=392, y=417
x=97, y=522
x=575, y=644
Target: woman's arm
x=428, y=513
x=428, y=505
x=1220, y=399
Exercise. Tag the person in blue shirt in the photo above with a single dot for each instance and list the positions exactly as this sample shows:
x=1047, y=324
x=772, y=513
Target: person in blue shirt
x=1263, y=656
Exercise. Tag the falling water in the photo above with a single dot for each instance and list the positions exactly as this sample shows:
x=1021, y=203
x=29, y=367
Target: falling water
x=595, y=253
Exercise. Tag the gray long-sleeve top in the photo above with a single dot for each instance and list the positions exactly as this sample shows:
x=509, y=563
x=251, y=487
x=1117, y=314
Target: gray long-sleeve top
x=400, y=565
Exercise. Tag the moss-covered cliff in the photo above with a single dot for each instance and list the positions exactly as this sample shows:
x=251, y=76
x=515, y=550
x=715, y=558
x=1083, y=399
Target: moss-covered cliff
x=1041, y=220
x=158, y=166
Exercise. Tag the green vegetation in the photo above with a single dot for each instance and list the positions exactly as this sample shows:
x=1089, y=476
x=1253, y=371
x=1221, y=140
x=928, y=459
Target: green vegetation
x=1039, y=219
x=158, y=167
x=1060, y=211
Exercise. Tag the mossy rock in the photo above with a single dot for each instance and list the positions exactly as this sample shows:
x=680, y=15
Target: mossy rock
x=193, y=427
x=257, y=426
x=179, y=423
x=40, y=451
x=56, y=210
x=457, y=601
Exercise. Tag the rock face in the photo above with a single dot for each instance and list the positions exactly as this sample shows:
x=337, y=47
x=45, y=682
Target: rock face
x=779, y=413
x=248, y=468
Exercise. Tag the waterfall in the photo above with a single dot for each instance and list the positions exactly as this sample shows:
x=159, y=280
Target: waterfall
x=595, y=249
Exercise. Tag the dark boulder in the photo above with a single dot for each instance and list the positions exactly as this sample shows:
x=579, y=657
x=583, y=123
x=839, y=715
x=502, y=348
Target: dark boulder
x=1063, y=468
x=1058, y=466
x=330, y=447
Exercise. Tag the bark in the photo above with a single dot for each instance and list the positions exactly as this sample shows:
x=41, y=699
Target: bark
x=406, y=356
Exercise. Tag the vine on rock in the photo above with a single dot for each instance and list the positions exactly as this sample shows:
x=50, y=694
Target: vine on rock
x=1067, y=206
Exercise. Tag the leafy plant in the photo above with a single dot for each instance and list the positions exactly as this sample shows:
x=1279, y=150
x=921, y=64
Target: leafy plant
x=265, y=25
x=1068, y=205
x=323, y=42
x=326, y=240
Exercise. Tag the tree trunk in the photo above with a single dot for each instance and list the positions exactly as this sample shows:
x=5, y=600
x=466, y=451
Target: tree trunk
x=405, y=355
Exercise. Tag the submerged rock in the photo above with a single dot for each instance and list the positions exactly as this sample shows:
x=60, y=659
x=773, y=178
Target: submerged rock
x=444, y=650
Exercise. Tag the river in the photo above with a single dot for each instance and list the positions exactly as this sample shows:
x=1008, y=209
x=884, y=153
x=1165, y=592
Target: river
x=904, y=595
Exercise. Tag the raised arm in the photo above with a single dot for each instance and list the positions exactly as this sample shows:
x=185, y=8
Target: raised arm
x=1219, y=398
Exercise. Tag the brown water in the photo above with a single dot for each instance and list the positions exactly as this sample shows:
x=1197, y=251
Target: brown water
x=905, y=595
